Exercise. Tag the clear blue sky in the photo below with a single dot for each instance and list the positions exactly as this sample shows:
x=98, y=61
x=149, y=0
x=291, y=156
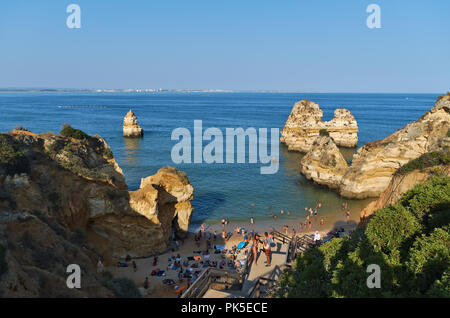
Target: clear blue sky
x=314, y=46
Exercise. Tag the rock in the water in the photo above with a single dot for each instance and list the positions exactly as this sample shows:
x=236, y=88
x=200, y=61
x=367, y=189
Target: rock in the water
x=324, y=163
x=131, y=127
x=375, y=163
x=305, y=123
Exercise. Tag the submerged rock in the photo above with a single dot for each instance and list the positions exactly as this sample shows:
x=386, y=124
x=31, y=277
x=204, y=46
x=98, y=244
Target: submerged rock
x=131, y=127
x=305, y=123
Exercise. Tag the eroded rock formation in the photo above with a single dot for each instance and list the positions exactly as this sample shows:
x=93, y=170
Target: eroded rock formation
x=375, y=163
x=65, y=200
x=399, y=185
x=324, y=163
x=305, y=123
x=131, y=127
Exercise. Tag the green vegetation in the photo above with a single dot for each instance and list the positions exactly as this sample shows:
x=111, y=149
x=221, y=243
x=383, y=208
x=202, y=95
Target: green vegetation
x=122, y=287
x=410, y=241
x=12, y=161
x=3, y=265
x=426, y=160
x=324, y=132
x=68, y=131
x=108, y=153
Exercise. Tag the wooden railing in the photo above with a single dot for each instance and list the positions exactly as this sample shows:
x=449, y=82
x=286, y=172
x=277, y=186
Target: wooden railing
x=266, y=282
x=209, y=276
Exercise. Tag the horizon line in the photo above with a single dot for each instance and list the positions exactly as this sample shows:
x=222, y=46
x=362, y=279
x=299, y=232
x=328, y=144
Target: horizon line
x=162, y=90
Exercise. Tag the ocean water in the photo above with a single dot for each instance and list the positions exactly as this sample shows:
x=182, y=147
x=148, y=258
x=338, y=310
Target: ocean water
x=234, y=191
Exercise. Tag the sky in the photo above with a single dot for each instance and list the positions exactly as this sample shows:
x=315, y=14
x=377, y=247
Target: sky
x=288, y=45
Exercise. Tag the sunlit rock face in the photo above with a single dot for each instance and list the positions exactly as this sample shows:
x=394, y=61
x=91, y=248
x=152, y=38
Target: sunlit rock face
x=324, y=163
x=65, y=201
x=305, y=123
x=131, y=127
x=374, y=164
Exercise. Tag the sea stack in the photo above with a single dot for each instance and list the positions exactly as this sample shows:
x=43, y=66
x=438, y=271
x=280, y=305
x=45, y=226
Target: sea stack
x=375, y=163
x=305, y=123
x=131, y=127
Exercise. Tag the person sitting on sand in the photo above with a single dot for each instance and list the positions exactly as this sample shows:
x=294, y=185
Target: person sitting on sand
x=134, y=266
x=316, y=237
x=146, y=283
x=322, y=222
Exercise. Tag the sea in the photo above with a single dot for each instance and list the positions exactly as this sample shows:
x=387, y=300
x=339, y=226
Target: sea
x=235, y=191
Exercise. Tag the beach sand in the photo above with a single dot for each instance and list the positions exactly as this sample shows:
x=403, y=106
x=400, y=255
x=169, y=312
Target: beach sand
x=145, y=266
x=159, y=290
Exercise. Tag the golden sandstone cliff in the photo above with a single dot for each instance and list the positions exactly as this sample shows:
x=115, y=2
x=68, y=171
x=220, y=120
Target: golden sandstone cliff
x=374, y=164
x=400, y=184
x=64, y=201
x=324, y=163
x=305, y=123
x=131, y=126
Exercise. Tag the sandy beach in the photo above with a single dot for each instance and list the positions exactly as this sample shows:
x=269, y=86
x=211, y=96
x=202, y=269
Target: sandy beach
x=190, y=249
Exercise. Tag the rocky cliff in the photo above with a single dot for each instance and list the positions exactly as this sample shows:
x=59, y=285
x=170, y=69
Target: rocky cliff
x=131, y=126
x=64, y=200
x=305, y=123
x=399, y=185
x=374, y=164
x=324, y=163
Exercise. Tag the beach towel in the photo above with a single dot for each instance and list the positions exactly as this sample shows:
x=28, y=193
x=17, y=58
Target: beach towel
x=206, y=256
x=190, y=258
x=197, y=258
x=219, y=247
x=161, y=273
x=154, y=272
x=168, y=281
x=241, y=245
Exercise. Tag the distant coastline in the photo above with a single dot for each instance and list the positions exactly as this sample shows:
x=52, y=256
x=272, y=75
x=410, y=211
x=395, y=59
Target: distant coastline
x=174, y=90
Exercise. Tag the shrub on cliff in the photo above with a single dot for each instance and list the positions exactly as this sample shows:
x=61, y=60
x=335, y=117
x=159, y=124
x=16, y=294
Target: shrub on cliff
x=413, y=255
x=68, y=131
x=429, y=159
x=324, y=132
x=390, y=227
x=433, y=195
x=122, y=287
x=12, y=161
